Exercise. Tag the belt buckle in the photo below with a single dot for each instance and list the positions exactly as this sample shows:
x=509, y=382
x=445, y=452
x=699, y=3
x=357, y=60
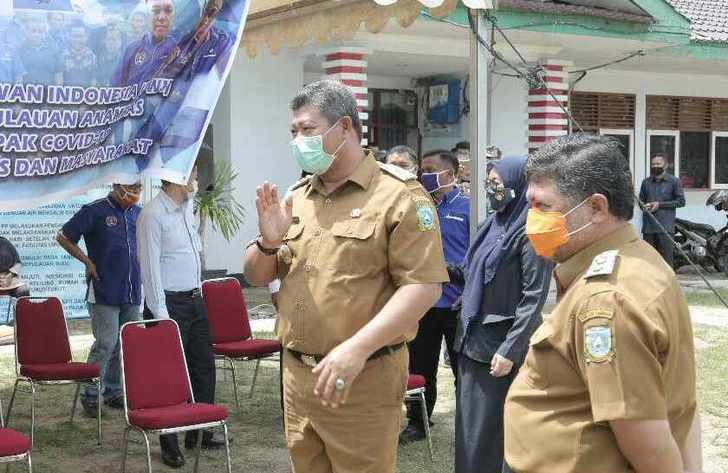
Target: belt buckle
x=308, y=360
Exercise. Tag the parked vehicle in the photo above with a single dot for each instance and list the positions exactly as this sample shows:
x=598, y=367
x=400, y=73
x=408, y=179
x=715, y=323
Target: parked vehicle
x=703, y=244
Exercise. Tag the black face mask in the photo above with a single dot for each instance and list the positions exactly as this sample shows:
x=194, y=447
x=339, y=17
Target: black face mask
x=656, y=171
x=499, y=197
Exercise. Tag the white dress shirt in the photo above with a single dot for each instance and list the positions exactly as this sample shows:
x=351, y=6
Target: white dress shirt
x=168, y=249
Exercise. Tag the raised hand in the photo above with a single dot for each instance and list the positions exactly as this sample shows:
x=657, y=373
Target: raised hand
x=274, y=216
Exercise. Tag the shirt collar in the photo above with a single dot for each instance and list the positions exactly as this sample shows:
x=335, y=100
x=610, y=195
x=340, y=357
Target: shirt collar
x=362, y=175
x=570, y=269
x=114, y=203
x=453, y=194
x=169, y=204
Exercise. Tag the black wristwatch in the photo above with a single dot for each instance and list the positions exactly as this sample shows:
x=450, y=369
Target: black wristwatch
x=264, y=250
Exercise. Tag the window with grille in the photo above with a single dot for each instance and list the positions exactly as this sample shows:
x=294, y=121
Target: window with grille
x=597, y=110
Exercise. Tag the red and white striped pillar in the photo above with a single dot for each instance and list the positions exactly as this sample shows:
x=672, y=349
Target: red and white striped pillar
x=546, y=118
x=347, y=64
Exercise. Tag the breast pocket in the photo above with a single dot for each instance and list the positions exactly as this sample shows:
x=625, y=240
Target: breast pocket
x=353, y=246
x=540, y=357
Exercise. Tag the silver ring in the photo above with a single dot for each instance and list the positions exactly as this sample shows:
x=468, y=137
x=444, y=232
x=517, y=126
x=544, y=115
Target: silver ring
x=340, y=384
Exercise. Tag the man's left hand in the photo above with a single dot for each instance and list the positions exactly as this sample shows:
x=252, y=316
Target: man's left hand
x=343, y=362
x=500, y=366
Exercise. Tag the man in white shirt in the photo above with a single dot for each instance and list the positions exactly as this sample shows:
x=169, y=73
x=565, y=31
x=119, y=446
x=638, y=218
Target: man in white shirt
x=169, y=256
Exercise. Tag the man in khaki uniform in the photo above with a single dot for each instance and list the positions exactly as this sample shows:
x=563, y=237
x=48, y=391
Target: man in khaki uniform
x=608, y=385
x=357, y=249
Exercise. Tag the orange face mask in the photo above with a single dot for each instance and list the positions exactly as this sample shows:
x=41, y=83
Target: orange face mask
x=547, y=231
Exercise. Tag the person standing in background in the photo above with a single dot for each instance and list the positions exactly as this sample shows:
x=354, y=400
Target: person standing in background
x=439, y=169
x=506, y=285
x=404, y=157
x=78, y=62
x=108, y=228
x=169, y=253
x=660, y=195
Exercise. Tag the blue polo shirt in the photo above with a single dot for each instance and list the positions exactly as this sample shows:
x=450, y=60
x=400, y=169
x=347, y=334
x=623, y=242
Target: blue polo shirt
x=109, y=232
x=141, y=60
x=454, y=214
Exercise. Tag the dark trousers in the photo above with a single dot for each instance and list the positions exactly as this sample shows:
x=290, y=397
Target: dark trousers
x=189, y=313
x=424, y=353
x=479, y=418
x=661, y=242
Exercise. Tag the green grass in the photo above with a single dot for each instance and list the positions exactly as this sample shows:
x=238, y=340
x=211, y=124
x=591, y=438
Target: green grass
x=712, y=385
x=706, y=298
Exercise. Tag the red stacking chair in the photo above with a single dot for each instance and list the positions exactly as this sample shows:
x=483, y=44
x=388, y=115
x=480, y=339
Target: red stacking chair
x=158, y=396
x=43, y=354
x=14, y=446
x=232, y=339
x=416, y=393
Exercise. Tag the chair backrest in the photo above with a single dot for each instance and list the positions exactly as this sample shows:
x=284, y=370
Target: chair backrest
x=41, y=335
x=154, y=370
x=226, y=310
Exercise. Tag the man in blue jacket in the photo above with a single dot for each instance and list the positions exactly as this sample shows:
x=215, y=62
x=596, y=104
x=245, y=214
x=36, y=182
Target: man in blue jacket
x=439, y=172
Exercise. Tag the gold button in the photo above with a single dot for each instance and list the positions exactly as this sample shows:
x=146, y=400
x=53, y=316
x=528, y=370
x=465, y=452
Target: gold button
x=317, y=233
x=328, y=202
x=307, y=268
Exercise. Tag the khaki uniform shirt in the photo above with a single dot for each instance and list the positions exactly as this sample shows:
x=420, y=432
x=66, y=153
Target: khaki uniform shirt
x=346, y=254
x=619, y=345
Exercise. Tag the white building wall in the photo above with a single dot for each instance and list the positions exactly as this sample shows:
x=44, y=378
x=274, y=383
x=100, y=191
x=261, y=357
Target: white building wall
x=256, y=112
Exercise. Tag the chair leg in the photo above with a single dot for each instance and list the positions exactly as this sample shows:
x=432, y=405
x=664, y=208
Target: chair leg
x=149, y=452
x=426, y=421
x=75, y=401
x=32, y=414
x=125, y=449
x=198, y=448
x=98, y=407
x=30, y=464
x=235, y=381
x=255, y=377
x=227, y=447
x=12, y=400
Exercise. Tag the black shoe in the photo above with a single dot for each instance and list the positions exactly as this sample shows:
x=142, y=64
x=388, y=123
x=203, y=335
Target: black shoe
x=208, y=441
x=90, y=408
x=412, y=433
x=115, y=403
x=173, y=458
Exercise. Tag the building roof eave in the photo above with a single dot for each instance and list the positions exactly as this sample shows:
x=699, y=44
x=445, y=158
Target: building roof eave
x=529, y=6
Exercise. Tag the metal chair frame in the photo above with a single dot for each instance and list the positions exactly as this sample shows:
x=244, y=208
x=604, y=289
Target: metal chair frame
x=418, y=395
x=14, y=458
x=96, y=382
x=230, y=361
x=147, y=432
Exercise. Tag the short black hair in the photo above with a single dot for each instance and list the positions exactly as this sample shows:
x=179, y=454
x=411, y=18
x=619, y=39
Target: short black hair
x=581, y=165
x=446, y=156
x=462, y=145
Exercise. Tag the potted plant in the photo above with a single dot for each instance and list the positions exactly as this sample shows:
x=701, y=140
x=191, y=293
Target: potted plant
x=217, y=205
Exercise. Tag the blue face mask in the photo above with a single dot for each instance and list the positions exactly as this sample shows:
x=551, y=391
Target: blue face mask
x=309, y=153
x=431, y=181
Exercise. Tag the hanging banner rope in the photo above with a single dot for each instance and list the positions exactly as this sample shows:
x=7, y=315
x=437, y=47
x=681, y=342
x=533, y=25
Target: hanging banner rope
x=100, y=91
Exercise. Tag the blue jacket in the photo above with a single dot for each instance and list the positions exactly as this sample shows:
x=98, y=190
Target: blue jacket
x=109, y=232
x=454, y=215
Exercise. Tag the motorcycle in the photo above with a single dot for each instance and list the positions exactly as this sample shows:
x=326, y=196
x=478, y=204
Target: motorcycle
x=701, y=242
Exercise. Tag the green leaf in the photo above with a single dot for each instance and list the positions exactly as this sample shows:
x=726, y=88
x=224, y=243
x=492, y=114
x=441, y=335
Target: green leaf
x=218, y=204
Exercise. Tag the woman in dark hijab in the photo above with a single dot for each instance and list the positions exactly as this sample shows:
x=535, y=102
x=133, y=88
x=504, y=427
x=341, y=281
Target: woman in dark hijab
x=506, y=285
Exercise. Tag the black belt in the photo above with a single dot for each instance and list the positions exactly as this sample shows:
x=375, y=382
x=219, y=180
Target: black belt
x=313, y=360
x=192, y=293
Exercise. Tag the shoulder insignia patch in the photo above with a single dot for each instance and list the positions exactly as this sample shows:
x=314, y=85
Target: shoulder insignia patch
x=397, y=172
x=599, y=343
x=603, y=264
x=425, y=216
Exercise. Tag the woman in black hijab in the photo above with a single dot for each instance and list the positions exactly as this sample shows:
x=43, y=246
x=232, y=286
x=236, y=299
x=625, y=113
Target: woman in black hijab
x=506, y=285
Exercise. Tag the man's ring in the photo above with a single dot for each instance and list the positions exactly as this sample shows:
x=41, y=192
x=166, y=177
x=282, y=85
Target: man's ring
x=340, y=384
